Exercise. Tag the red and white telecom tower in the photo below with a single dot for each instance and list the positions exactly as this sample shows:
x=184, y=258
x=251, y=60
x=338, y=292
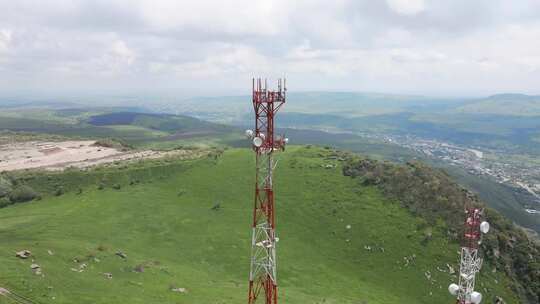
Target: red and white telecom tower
x=262, y=276
x=471, y=262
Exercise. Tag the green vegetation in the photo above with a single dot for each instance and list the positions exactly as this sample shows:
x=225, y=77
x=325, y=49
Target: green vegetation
x=154, y=227
x=12, y=192
x=22, y=194
x=132, y=132
x=112, y=143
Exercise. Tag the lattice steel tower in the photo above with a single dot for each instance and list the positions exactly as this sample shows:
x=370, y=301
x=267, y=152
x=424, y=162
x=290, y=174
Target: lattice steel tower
x=471, y=262
x=263, y=276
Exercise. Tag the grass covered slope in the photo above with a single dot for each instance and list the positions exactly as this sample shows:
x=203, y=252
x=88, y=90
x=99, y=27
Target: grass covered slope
x=174, y=238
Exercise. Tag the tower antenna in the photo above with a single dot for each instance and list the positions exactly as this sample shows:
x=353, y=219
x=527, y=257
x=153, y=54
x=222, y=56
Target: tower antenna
x=263, y=272
x=471, y=262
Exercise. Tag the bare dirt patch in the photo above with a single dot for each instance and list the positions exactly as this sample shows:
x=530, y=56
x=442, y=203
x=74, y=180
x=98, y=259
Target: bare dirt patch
x=64, y=154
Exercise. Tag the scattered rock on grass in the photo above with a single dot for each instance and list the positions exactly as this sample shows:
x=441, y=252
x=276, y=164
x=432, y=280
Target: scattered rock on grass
x=139, y=268
x=179, y=289
x=23, y=254
x=36, y=268
x=121, y=254
x=108, y=275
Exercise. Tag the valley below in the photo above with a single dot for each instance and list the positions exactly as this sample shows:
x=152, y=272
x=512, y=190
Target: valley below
x=515, y=171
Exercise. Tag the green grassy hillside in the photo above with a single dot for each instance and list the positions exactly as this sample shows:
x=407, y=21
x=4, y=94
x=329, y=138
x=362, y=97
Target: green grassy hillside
x=173, y=238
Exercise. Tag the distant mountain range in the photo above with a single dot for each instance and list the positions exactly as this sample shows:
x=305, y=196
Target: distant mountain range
x=355, y=104
x=350, y=104
x=504, y=104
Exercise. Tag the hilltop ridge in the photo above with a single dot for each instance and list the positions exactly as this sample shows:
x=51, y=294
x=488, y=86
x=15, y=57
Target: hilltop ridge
x=342, y=241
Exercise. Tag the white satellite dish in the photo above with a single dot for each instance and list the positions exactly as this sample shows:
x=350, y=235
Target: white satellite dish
x=484, y=227
x=257, y=141
x=286, y=140
x=453, y=289
x=249, y=133
x=476, y=297
x=261, y=135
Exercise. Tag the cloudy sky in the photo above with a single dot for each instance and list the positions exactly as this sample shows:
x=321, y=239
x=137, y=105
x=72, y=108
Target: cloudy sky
x=433, y=47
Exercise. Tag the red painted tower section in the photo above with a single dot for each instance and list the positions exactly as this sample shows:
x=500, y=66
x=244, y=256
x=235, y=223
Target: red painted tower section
x=263, y=272
x=472, y=235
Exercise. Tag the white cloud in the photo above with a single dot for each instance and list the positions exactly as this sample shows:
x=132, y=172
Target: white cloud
x=406, y=7
x=5, y=39
x=227, y=60
x=398, y=45
x=234, y=17
x=121, y=52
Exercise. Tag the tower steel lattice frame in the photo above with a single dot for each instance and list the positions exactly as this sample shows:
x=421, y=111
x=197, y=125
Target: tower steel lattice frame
x=471, y=262
x=263, y=271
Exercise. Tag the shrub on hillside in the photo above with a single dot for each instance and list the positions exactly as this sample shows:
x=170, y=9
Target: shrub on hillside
x=4, y=202
x=59, y=191
x=5, y=186
x=113, y=143
x=22, y=194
